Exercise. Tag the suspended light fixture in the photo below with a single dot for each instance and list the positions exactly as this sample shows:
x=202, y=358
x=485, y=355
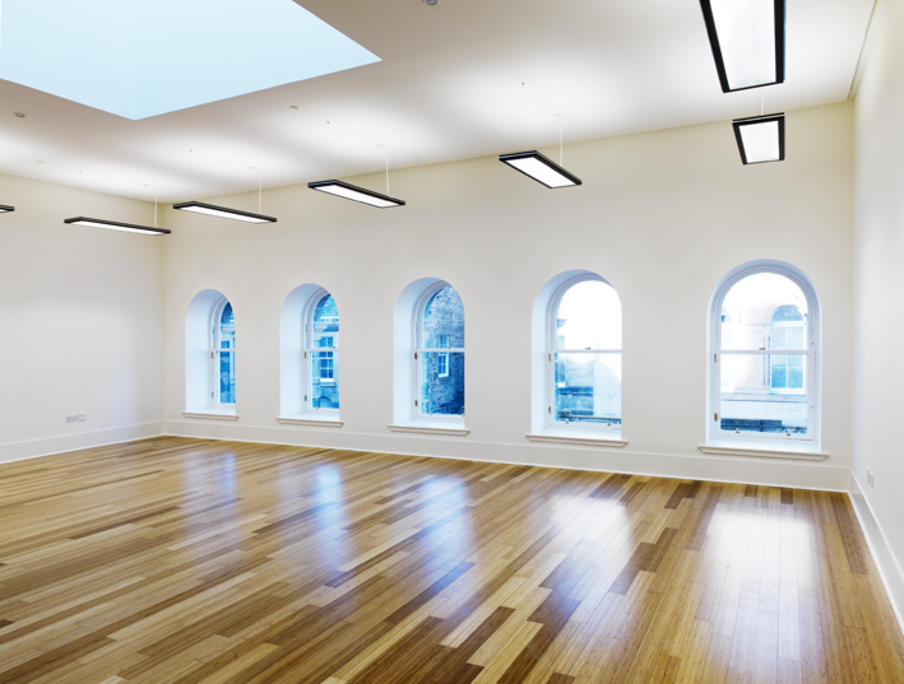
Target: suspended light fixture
x=747, y=38
x=761, y=138
x=223, y=212
x=538, y=166
x=119, y=225
x=541, y=168
x=115, y=225
x=356, y=193
x=5, y=209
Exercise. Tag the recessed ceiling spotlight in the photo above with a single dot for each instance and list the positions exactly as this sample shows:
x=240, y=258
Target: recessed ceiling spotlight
x=431, y=3
x=19, y=115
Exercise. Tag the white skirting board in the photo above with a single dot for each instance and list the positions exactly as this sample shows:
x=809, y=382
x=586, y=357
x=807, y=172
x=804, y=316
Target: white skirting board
x=32, y=448
x=745, y=469
x=889, y=566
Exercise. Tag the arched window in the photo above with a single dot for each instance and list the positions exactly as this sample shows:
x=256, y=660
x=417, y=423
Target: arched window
x=222, y=354
x=439, y=356
x=764, y=356
x=581, y=356
x=309, y=357
x=210, y=354
x=322, y=354
x=430, y=355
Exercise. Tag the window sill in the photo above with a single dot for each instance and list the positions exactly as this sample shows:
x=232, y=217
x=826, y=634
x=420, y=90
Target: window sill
x=428, y=429
x=802, y=453
x=311, y=421
x=575, y=440
x=211, y=414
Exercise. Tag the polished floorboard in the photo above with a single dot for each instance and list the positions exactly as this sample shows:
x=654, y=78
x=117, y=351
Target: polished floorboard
x=177, y=560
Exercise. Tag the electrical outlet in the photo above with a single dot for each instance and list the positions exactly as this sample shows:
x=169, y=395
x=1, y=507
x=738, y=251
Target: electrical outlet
x=76, y=418
x=870, y=477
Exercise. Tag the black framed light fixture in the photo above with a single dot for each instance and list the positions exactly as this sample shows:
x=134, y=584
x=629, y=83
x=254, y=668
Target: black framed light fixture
x=223, y=212
x=5, y=208
x=356, y=193
x=761, y=138
x=541, y=168
x=115, y=225
x=748, y=41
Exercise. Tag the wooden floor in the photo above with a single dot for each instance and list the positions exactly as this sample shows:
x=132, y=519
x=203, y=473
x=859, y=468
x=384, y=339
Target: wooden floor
x=175, y=560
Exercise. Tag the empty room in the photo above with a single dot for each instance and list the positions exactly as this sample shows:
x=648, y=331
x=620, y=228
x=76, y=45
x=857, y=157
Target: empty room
x=451, y=341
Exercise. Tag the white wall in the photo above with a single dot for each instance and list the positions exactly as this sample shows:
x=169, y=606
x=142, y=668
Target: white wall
x=662, y=216
x=80, y=322
x=879, y=291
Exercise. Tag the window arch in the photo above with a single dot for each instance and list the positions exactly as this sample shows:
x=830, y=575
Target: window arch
x=309, y=355
x=764, y=356
x=578, y=348
x=210, y=354
x=430, y=354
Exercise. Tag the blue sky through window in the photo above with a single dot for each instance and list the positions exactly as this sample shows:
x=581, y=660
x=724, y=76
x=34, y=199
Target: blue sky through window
x=141, y=58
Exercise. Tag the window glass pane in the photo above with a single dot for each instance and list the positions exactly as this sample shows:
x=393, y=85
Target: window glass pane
x=588, y=388
x=787, y=372
x=227, y=377
x=589, y=317
x=227, y=328
x=763, y=393
x=325, y=323
x=764, y=311
x=442, y=393
x=444, y=321
x=324, y=388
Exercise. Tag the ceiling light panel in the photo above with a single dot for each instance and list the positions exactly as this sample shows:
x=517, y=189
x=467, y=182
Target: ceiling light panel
x=115, y=225
x=761, y=138
x=541, y=168
x=223, y=212
x=747, y=38
x=356, y=193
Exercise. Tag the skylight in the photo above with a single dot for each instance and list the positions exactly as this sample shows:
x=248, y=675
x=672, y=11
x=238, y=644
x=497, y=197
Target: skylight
x=141, y=58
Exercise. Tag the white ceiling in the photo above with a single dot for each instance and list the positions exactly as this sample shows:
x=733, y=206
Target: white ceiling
x=449, y=87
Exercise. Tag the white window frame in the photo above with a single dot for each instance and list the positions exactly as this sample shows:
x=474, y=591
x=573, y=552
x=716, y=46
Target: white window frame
x=308, y=349
x=327, y=362
x=213, y=355
x=609, y=431
x=420, y=308
x=443, y=358
x=715, y=435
